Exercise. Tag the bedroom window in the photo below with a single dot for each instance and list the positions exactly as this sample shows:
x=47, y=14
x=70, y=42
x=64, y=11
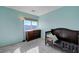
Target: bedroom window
x=30, y=24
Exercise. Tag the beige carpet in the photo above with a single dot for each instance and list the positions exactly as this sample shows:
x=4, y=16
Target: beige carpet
x=34, y=46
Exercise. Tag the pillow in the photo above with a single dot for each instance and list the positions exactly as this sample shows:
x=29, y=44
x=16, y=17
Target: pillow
x=53, y=37
x=50, y=35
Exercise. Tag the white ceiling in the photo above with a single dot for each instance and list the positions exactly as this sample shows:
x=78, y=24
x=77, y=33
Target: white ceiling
x=38, y=10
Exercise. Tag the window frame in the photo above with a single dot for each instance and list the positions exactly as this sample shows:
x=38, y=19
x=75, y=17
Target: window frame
x=31, y=26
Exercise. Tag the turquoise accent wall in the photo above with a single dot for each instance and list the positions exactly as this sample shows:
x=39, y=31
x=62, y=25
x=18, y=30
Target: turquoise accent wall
x=11, y=28
x=67, y=17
